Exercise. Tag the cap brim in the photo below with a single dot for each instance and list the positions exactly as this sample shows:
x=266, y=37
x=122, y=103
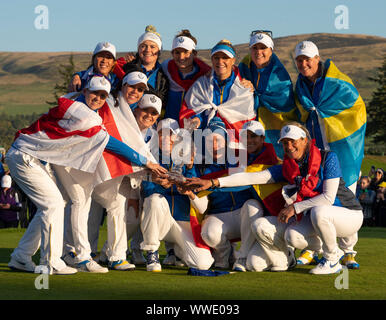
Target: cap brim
x=230, y=55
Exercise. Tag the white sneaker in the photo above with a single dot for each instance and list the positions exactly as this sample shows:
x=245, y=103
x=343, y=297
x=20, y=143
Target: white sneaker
x=152, y=262
x=121, y=265
x=27, y=266
x=137, y=257
x=65, y=270
x=327, y=267
x=91, y=266
x=240, y=265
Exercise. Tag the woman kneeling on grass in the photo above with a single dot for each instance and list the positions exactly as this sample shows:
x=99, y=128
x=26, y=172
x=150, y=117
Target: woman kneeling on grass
x=322, y=209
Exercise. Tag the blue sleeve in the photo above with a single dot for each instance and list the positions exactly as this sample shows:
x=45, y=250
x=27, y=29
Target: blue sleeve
x=277, y=173
x=122, y=149
x=332, y=167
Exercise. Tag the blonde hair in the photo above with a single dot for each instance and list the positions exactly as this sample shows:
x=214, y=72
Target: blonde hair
x=227, y=43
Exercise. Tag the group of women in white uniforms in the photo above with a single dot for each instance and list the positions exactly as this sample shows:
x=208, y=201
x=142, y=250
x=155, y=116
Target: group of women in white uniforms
x=109, y=144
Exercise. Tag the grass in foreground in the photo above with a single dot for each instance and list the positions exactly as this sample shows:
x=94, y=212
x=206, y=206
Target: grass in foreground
x=369, y=282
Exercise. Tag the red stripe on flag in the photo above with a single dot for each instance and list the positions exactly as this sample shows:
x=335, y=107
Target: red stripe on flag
x=117, y=165
x=49, y=123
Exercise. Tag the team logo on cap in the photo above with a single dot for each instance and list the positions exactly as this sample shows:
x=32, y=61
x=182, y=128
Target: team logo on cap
x=141, y=75
x=302, y=46
x=103, y=81
x=106, y=44
x=153, y=99
x=180, y=39
x=249, y=124
x=259, y=36
x=287, y=129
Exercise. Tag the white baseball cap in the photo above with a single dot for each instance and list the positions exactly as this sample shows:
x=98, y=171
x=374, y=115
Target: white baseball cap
x=292, y=132
x=261, y=38
x=169, y=123
x=255, y=126
x=306, y=48
x=150, y=101
x=183, y=42
x=6, y=181
x=105, y=46
x=151, y=35
x=135, y=77
x=99, y=83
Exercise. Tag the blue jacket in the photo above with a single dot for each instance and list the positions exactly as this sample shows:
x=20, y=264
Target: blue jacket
x=220, y=202
x=86, y=75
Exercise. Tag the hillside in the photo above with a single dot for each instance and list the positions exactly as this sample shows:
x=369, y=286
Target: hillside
x=27, y=78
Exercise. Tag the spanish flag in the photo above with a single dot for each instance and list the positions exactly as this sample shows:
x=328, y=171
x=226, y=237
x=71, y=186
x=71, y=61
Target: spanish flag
x=269, y=194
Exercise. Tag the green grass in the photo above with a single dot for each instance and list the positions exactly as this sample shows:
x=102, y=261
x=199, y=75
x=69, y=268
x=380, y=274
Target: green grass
x=376, y=161
x=369, y=282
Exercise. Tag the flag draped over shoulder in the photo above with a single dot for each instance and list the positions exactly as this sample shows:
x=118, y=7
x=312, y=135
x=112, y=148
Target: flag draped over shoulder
x=238, y=109
x=270, y=194
x=121, y=124
x=176, y=82
x=70, y=134
x=342, y=118
x=274, y=96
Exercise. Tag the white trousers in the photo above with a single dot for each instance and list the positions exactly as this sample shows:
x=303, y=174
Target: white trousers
x=110, y=195
x=217, y=231
x=250, y=212
x=270, y=235
x=251, y=249
x=302, y=235
x=79, y=186
x=46, y=228
x=158, y=224
x=331, y=222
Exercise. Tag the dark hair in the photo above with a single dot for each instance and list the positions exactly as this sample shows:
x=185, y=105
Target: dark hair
x=186, y=33
x=131, y=68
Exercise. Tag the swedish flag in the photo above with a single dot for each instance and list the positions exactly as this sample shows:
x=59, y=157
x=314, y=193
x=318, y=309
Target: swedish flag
x=274, y=99
x=335, y=114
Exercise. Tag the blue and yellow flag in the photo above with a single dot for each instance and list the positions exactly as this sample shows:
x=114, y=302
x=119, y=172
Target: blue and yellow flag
x=336, y=114
x=274, y=98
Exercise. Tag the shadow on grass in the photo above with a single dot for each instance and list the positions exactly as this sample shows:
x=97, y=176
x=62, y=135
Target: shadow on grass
x=5, y=254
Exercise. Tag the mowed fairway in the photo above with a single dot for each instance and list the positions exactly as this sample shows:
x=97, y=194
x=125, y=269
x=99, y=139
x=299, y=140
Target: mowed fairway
x=369, y=282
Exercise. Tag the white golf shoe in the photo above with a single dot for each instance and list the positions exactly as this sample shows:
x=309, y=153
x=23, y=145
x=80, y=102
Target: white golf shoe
x=327, y=267
x=91, y=266
x=152, y=262
x=240, y=265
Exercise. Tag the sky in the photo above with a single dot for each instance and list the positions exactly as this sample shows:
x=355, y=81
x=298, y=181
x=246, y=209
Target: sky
x=79, y=25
